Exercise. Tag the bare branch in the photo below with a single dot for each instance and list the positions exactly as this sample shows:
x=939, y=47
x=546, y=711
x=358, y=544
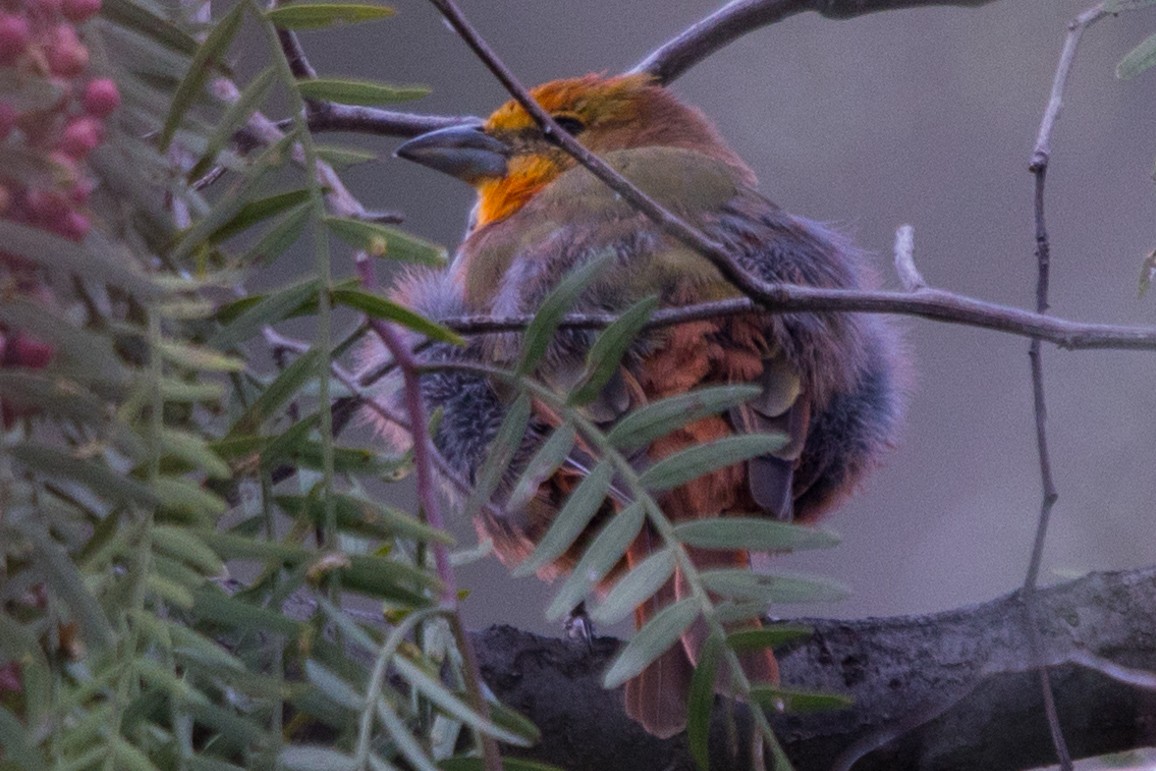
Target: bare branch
x=736, y=19
x=371, y=120
x=909, y=275
x=930, y=303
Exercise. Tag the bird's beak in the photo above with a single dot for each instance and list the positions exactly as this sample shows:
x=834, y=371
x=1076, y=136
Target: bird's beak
x=465, y=152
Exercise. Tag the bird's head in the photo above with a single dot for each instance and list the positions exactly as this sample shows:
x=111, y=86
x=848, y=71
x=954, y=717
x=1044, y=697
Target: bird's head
x=508, y=159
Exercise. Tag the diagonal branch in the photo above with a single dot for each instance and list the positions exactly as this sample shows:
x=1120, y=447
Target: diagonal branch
x=728, y=24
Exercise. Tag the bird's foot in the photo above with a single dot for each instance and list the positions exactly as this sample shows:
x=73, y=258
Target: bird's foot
x=579, y=626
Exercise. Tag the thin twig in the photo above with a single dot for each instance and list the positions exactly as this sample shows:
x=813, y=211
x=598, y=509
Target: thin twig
x=935, y=304
x=330, y=116
x=909, y=275
x=1041, y=155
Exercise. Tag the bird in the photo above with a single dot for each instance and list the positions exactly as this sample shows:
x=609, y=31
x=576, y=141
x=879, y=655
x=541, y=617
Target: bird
x=834, y=384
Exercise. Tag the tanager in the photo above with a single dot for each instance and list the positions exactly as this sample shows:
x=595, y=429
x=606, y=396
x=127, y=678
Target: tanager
x=832, y=383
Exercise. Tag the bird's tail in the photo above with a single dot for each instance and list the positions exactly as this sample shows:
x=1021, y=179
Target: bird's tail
x=657, y=697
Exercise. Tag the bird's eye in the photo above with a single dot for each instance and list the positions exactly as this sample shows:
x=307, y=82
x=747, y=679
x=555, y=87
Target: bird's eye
x=570, y=124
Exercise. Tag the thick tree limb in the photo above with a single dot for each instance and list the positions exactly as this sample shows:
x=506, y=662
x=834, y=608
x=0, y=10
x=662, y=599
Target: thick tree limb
x=953, y=690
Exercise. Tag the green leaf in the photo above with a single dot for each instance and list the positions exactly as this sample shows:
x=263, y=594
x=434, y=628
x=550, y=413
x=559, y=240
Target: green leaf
x=652, y=640
x=319, y=15
x=341, y=157
x=583, y=503
x=262, y=310
x=742, y=584
x=500, y=453
x=753, y=534
x=193, y=449
x=635, y=587
x=279, y=393
x=280, y=236
x=786, y=700
x=557, y=304
x=178, y=494
x=692, y=463
x=508, y=764
x=205, y=62
x=548, y=459
x=648, y=423
x=199, y=357
x=363, y=517
x=26, y=92
x=18, y=750
x=96, y=476
x=182, y=543
x=600, y=556
x=380, y=308
x=606, y=354
x=330, y=683
x=384, y=578
x=61, y=575
x=212, y=604
x=453, y=706
x=1137, y=60
x=260, y=210
x=310, y=758
x=385, y=241
x=700, y=702
x=134, y=15
x=55, y=253
x=359, y=92
x=239, y=112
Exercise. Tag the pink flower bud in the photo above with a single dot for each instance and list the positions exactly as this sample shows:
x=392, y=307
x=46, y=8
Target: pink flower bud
x=81, y=136
x=14, y=37
x=25, y=351
x=101, y=97
x=65, y=53
x=80, y=10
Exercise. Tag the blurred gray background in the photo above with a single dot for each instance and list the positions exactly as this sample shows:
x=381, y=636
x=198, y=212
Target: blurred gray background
x=924, y=117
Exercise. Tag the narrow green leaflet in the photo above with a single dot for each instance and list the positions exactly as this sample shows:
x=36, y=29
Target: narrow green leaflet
x=583, y=503
x=741, y=584
x=786, y=700
x=318, y=15
x=753, y=534
x=700, y=702
x=359, y=92
x=384, y=241
x=199, y=357
x=364, y=517
x=500, y=453
x=606, y=354
x=314, y=758
x=183, y=543
x=332, y=686
x=635, y=587
x=385, y=578
x=262, y=310
x=279, y=393
x=548, y=459
x=131, y=14
x=204, y=63
x=436, y=692
x=693, y=462
x=285, y=232
x=248, y=102
x=66, y=581
x=27, y=92
x=194, y=450
x=654, y=639
x=557, y=304
x=508, y=764
x=96, y=476
x=600, y=556
x=1137, y=60
x=648, y=423
x=56, y=253
x=182, y=495
x=381, y=308
x=258, y=211
x=14, y=737
x=341, y=157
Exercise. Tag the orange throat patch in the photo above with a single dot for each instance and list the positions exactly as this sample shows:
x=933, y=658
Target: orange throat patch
x=499, y=198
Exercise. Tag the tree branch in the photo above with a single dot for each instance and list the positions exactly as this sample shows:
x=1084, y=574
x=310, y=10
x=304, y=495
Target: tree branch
x=948, y=691
x=736, y=19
